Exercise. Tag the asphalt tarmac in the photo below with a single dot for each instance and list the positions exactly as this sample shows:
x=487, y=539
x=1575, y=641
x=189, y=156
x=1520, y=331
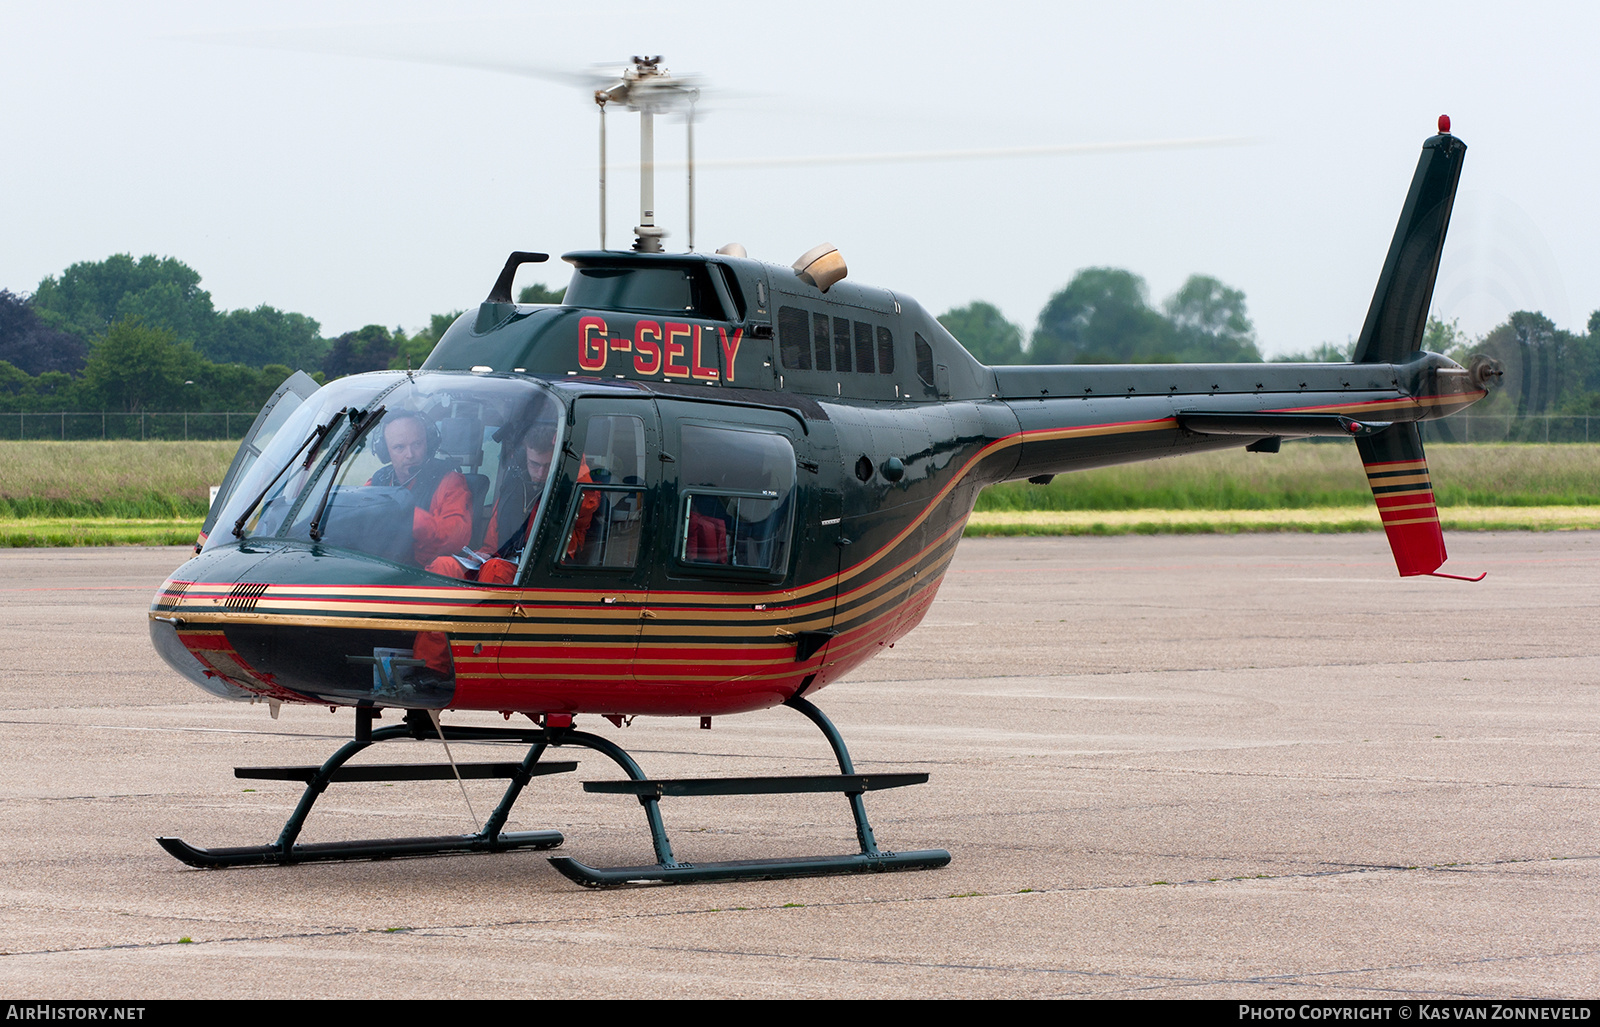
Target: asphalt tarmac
x=1207, y=766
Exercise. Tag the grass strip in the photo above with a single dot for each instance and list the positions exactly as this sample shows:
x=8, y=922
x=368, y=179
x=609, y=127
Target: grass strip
x=47, y=532
x=39, y=532
x=1227, y=522
x=1308, y=475
x=121, y=480
x=154, y=480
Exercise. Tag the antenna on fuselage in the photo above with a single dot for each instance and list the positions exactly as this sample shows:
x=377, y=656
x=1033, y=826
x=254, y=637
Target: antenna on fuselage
x=648, y=89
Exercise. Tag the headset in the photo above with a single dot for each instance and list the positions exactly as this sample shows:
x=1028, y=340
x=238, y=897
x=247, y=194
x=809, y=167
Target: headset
x=432, y=438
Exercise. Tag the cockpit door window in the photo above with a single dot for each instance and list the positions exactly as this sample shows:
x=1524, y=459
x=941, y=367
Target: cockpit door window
x=606, y=520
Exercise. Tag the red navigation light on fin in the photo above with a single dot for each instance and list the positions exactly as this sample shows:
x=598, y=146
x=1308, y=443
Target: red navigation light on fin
x=1444, y=124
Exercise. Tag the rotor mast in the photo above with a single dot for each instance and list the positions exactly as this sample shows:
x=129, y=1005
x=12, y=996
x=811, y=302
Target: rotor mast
x=648, y=89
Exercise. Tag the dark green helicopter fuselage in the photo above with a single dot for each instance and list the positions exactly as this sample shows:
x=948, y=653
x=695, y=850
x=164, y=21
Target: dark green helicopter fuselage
x=892, y=443
x=894, y=429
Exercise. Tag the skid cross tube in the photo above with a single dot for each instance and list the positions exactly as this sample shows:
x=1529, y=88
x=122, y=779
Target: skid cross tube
x=666, y=871
x=491, y=839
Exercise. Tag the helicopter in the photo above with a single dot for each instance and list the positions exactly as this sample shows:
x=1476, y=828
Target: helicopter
x=700, y=485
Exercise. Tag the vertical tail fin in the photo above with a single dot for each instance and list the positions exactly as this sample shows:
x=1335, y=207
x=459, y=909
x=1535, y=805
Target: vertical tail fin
x=1397, y=470
x=1399, y=312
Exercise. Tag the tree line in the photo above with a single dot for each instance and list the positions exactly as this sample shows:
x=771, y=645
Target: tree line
x=1104, y=316
x=134, y=335
x=139, y=335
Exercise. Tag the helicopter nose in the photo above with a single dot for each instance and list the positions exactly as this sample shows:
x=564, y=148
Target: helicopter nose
x=296, y=624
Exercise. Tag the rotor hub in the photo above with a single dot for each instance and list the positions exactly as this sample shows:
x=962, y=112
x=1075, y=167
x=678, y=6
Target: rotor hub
x=648, y=88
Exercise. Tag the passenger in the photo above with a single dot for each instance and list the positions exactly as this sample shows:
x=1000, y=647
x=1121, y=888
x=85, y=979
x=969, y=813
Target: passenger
x=517, y=507
x=522, y=490
x=441, y=521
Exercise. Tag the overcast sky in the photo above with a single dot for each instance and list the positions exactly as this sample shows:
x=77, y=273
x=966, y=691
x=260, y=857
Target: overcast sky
x=283, y=152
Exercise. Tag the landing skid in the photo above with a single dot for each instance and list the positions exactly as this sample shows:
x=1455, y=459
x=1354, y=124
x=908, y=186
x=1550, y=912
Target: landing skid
x=666, y=870
x=749, y=869
x=491, y=839
x=377, y=848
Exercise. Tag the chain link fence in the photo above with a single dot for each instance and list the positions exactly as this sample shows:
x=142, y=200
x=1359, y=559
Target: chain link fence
x=1511, y=428
x=232, y=424
x=178, y=426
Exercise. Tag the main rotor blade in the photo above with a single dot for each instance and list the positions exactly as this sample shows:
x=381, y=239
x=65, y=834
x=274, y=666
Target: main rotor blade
x=302, y=40
x=917, y=156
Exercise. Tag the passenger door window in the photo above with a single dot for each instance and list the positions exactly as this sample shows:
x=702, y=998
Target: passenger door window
x=736, y=499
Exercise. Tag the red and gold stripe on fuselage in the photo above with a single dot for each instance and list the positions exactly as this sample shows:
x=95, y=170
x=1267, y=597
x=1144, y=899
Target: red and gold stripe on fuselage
x=1374, y=409
x=670, y=653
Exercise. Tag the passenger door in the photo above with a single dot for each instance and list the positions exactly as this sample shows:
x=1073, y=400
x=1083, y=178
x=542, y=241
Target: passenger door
x=719, y=607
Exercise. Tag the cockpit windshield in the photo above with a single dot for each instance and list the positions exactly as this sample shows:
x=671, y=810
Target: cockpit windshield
x=446, y=472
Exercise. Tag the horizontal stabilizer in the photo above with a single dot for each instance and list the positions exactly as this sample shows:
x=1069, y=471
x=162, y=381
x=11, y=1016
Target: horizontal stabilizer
x=1281, y=425
x=1397, y=470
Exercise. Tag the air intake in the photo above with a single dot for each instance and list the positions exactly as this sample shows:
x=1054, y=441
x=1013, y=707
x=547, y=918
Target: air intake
x=821, y=266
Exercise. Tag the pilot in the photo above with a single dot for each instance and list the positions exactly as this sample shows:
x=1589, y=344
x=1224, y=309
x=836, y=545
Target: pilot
x=441, y=521
x=441, y=518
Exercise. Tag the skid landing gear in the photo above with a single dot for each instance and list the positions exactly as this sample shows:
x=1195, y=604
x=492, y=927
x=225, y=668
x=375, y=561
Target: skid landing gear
x=666, y=869
x=317, y=779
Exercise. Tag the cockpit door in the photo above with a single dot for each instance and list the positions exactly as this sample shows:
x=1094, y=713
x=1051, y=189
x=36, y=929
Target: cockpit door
x=586, y=584
x=296, y=389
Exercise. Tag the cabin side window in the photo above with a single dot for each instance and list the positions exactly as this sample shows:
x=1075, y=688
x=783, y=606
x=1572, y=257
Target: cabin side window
x=823, y=341
x=736, y=498
x=808, y=340
x=924, y=361
x=841, y=345
x=794, y=338
x=864, y=355
x=885, y=351
x=607, y=515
